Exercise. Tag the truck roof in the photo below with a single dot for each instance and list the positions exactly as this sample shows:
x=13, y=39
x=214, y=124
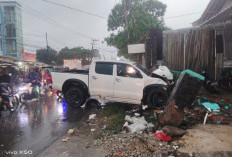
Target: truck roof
x=115, y=61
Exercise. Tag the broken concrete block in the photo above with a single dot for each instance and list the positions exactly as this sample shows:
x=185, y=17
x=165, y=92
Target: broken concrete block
x=173, y=131
x=181, y=98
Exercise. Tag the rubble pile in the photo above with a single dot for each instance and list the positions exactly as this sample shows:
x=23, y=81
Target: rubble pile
x=136, y=145
x=219, y=110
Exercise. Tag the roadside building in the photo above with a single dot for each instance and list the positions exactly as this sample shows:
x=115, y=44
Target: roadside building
x=29, y=57
x=11, y=43
x=207, y=46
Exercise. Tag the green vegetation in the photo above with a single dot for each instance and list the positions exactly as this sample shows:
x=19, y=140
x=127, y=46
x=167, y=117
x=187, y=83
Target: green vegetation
x=130, y=21
x=115, y=114
x=46, y=55
x=56, y=58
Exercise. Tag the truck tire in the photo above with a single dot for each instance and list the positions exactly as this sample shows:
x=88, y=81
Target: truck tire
x=157, y=98
x=75, y=97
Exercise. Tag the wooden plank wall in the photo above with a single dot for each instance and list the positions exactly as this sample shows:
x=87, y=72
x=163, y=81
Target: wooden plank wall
x=199, y=50
x=175, y=51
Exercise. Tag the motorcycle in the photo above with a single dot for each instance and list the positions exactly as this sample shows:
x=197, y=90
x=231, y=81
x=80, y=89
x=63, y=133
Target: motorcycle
x=28, y=92
x=210, y=85
x=8, y=98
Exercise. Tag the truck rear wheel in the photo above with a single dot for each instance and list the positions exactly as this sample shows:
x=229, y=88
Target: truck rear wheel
x=75, y=97
x=157, y=98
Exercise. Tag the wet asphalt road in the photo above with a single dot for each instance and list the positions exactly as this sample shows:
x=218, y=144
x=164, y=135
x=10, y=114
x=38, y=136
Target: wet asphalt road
x=36, y=125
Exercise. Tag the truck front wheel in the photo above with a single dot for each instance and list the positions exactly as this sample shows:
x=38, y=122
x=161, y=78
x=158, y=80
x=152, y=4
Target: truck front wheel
x=75, y=97
x=157, y=98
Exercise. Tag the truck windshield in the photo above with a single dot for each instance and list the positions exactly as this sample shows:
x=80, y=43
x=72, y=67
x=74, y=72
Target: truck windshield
x=141, y=68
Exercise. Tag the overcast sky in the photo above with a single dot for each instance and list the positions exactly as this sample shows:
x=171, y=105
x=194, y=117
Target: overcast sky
x=70, y=28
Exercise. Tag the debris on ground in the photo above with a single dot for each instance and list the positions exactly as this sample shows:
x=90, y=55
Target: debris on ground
x=212, y=110
x=136, y=124
x=92, y=116
x=66, y=139
x=162, y=136
x=70, y=131
x=135, y=145
x=173, y=131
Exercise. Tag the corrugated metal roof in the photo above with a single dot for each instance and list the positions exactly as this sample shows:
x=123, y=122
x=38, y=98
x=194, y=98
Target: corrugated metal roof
x=213, y=8
x=221, y=17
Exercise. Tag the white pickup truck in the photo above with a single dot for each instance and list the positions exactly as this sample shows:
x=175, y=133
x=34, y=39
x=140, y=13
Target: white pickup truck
x=114, y=81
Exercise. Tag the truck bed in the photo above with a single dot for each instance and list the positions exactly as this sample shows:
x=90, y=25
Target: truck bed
x=60, y=77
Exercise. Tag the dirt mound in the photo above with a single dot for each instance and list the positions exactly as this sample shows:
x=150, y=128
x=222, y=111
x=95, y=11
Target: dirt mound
x=142, y=145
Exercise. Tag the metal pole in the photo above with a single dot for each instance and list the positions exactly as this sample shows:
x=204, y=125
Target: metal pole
x=3, y=32
x=215, y=53
x=184, y=50
x=47, y=41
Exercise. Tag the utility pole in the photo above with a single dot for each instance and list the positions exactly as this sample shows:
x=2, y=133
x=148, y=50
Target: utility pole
x=92, y=43
x=47, y=40
x=125, y=12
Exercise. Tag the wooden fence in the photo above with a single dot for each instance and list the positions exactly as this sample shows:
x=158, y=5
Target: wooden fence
x=194, y=50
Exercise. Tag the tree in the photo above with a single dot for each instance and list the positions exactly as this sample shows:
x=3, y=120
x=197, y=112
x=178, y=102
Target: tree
x=133, y=19
x=75, y=53
x=46, y=55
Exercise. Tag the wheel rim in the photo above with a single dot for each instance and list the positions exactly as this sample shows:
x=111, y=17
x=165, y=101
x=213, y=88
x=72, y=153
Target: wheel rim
x=158, y=99
x=73, y=98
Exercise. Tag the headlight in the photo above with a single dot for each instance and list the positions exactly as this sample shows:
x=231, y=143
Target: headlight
x=23, y=88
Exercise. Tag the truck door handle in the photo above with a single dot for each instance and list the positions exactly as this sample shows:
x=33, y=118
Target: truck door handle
x=118, y=80
x=94, y=77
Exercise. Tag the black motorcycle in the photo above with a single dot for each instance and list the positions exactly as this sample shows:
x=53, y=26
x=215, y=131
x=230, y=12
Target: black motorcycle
x=8, y=98
x=210, y=85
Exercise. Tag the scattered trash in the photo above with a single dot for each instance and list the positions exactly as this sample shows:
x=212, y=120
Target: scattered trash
x=121, y=153
x=92, y=130
x=162, y=136
x=70, y=131
x=137, y=124
x=92, y=116
x=104, y=127
x=205, y=119
x=66, y=139
x=175, y=147
x=137, y=114
x=144, y=107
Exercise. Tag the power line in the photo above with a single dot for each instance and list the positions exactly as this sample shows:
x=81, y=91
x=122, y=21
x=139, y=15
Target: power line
x=52, y=21
x=78, y=10
x=33, y=35
x=182, y=15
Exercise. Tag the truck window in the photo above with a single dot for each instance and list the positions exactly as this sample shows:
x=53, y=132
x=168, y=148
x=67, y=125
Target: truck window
x=124, y=70
x=104, y=68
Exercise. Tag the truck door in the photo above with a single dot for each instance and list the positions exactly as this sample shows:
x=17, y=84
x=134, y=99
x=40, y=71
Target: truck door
x=102, y=80
x=129, y=84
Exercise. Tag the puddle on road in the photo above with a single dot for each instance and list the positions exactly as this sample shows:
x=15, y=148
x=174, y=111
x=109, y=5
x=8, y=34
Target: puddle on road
x=34, y=125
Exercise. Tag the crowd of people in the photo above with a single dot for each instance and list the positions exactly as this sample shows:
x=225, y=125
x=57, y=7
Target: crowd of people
x=35, y=76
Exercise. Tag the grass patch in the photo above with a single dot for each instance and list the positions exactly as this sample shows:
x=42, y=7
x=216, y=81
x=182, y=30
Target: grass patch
x=115, y=108
x=115, y=115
